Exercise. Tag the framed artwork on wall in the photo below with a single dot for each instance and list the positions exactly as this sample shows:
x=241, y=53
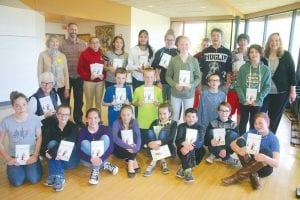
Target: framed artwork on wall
x=84, y=37
x=105, y=34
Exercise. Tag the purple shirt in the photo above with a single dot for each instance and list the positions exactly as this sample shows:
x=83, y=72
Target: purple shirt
x=84, y=134
x=116, y=130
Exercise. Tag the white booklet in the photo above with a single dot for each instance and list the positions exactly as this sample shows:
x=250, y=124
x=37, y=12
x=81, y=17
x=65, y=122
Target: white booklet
x=184, y=77
x=97, y=148
x=161, y=153
x=143, y=60
x=251, y=94
x=96, y=69
x=22, y=153
x=149, y=94
x=120, y=95
x=253, y=143
x=156, y=130
x=127, y=136
x=219, y=135
x=46, y=104
x=117, y=62
x=191, y=135
x=165, y=60
x=65, y=149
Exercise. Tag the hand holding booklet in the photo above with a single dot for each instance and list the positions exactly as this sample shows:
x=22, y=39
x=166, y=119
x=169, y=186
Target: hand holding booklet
x=191, y=135
x=96, y=69
x=97, y=148
x=161, y=153
x=184, y=77
x=219, y=135
x=127, y=136
x=253, y=143
x=65, y=150
x=22, y=153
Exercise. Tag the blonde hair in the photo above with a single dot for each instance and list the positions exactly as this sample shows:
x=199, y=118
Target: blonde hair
x=280, y=50
x=170, y=32
x=52, y=36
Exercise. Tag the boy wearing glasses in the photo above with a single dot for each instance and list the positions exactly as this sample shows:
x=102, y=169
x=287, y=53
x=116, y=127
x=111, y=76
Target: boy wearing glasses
x=219, y=135
x=210, y=100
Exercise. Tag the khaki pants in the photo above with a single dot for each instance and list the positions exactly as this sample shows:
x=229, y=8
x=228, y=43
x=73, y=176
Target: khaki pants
x=93, y=90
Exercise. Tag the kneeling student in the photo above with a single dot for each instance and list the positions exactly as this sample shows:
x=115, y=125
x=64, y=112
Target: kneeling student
x=189, y=143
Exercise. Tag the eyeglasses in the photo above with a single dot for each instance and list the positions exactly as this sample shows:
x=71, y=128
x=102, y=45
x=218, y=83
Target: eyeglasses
x=214, y=80
x=224, y=111
x=63, y=115
x=46, y=83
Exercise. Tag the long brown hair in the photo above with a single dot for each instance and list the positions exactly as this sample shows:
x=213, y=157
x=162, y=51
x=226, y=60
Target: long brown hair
x=280, y=50
x=126, y=106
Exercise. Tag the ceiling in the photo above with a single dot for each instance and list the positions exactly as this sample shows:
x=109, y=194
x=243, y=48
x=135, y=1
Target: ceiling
x=200, y=8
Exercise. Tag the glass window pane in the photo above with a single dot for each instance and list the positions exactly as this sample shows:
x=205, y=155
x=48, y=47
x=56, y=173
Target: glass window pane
x=196, y=32
x=225, y=26
x=280, y=23
x=177, y=27
x=256, y=30
x=296, y=41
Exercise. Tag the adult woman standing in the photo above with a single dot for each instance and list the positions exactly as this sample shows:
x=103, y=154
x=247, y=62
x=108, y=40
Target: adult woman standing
x=140, y=56
x=90, y=69
x=52, y=60
x=21, y=128
x=283, y=88
x=116, y=58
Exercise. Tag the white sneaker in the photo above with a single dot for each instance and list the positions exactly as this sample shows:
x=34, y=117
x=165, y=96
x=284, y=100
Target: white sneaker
x=111, y=168
x=210, y=159
x=94, y=178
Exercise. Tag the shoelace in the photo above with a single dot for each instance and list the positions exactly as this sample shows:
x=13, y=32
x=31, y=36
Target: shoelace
x=94, y=174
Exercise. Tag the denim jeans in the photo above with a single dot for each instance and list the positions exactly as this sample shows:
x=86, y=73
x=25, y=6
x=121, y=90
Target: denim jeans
x=152, y=136
x=17, y=174
x=57, y=167
x=177, y=102
x=85, y=146
x=230, y=136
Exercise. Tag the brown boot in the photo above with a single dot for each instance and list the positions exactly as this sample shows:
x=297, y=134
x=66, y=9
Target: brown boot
x=243, y=173
x=255, y=181
x=245, y=159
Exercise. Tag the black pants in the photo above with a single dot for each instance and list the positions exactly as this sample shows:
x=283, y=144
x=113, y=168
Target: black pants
x=121, y=153
x=191, y=159
x=247, y=114
x=77, y=85
x=61, y=94
x=274, y=105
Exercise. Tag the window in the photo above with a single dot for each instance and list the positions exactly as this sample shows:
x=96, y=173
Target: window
x=178, y=28
x=296, y=41
x=196, y=32
x=225, y=26
x=280, y=23
x=256, y=30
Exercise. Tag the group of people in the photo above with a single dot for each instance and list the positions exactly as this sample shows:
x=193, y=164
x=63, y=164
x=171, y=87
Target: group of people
x=258, y=85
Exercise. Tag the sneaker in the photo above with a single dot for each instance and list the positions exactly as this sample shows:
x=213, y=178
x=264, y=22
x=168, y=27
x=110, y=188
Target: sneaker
x=164, y=168
x=58, y=183
x=111, y=168
x=231, y=161
x=50, y=181
x=188, y=175
x=180, y=173
x=94, y=178
x=210, y=158
x=149, y=170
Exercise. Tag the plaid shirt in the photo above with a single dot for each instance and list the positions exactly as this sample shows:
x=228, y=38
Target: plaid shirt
x=72, y=51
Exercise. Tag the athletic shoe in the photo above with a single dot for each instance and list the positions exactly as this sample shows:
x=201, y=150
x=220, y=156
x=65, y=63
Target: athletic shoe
x=188, y=175
x=111, y=168
x=210, y=158
x=180, y=173
x=50, y=181
x=94, y=178
x=149, y=170
x=58, y=183
x=164, y=168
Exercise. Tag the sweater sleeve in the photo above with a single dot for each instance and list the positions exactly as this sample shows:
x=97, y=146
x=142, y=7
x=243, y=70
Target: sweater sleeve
x=83, y=68
x=180, y=138
x=40, y=65
x=66, y=73
x=239, y=85
x=208, y=136
x=110, y=149
x=266, y=86
x=137, y=131
x=291, y=67
x=116, y=128
x=170, y=74
x=196, y=73
x=131, y=60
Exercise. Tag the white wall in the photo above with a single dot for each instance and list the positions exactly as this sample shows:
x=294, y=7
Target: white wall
x=156, y=25
x=21, y=38
x=89, y=28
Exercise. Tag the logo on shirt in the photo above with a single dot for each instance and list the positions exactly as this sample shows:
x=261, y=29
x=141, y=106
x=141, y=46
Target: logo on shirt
x=218, y=57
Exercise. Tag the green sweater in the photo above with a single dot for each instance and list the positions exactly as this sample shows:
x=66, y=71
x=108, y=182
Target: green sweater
x=260, y=79
x=172, y=75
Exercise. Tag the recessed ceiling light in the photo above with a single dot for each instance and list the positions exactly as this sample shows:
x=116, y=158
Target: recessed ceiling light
x=150, y=6
x=202, y=7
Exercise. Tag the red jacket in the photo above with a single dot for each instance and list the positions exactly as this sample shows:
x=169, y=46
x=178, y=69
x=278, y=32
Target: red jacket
x=87, y=57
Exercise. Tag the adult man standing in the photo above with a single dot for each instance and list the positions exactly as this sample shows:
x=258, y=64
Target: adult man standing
x=72, y=47
x=216, y=59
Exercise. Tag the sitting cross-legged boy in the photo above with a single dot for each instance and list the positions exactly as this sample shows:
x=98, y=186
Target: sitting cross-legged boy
x=162, y=132
x=189, y=143
x=219, y=135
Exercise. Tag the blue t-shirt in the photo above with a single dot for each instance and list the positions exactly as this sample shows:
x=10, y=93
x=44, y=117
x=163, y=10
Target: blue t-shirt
x=114, y=111
x=269, y=141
